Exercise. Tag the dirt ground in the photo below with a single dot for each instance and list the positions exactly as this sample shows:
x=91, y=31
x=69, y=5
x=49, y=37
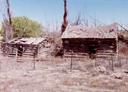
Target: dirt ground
x=56, y=75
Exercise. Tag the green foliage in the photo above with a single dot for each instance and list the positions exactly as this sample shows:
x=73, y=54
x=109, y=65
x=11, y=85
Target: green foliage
x=24, y=27
x=1, y=32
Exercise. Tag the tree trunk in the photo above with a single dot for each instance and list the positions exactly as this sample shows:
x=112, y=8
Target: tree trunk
x=7, y=24
x=65, y=21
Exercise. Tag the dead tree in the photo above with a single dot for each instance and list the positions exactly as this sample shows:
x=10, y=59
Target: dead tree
x=77, y=21
x=65, y=21
x=7, y=27
x=8, y=12
x=7, y=24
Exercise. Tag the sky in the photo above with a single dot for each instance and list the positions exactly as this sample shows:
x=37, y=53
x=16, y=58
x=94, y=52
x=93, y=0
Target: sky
x=51, y=11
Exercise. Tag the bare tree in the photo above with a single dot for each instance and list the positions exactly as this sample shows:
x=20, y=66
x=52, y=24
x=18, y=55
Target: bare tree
x=65, y=21
x=8, y=12
x=7, y=23
x=77, y=21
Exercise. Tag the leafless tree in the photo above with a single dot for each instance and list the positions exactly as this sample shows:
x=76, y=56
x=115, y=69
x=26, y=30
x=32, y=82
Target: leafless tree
x=65, y=21
x=7, y=23
x=8, y=12
x=77, y=21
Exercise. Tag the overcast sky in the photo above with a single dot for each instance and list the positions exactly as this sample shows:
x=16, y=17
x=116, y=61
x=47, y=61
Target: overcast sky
x=51, y=11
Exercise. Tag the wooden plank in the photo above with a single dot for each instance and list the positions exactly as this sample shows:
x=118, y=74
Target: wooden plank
x=76, y=56
x=27, y=40
x=38, y=41
x=13, y=40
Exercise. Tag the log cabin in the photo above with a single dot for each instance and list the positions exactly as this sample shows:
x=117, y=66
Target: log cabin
x=83, y=40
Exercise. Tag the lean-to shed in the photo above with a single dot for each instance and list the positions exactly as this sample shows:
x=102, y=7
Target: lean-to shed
x=25, y=45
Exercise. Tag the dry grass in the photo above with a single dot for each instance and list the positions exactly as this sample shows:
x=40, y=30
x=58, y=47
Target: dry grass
x=54, y=75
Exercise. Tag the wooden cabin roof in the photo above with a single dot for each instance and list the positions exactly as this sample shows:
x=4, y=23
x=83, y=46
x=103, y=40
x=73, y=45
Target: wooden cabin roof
x=80, y=31
x=27, y=41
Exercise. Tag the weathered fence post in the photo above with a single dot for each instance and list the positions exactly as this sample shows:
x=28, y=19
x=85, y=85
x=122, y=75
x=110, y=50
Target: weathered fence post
x=16, y=54
x=71, y=62
x=112, y=63
x=34, y=62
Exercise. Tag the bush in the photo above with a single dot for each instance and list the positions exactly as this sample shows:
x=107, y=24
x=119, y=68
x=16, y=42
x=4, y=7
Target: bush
x=25, y=27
